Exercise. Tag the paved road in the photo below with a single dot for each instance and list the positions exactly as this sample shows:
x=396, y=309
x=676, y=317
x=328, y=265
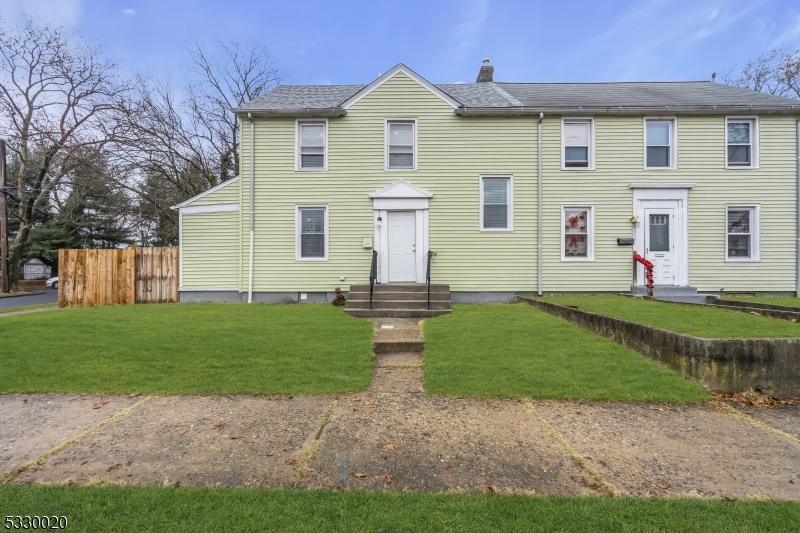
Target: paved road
x=48, y=296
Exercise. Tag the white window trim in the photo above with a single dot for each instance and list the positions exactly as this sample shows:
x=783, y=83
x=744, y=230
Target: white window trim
x=297, y=159
x=510, y=202
x=755, y=140
x=386, y=122
x=567, y=120
x=673, y=140
x=755, y=234
x=589, y=234
x=298, y=227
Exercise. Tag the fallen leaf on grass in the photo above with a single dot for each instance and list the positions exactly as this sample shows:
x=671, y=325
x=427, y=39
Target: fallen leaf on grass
x=389, y=447
x=369, y=402
x=99, y=404
x=388, y=478
x=221, y=425
x=329, y=484
x=488, y=489
x=134, y=394
x=113, y=467
x=360, y=475
x=291, y=461
x=357, y=399
x=752, y=399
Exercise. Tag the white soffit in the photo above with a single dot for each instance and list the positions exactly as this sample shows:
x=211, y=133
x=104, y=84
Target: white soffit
x=401, y=189
x=386, y=77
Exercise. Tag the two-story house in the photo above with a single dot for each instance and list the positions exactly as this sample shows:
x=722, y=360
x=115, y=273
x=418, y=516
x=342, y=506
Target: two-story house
x=516, y=187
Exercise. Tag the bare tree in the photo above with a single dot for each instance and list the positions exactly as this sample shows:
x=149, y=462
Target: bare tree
x=57, y=95
x=775, y=72
x=183, y=141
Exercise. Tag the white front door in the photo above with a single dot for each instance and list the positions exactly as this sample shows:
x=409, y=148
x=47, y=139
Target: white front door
x=402, y=246
x=659, y=242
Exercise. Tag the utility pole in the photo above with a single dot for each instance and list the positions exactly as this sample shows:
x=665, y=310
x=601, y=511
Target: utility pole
x=3, y=221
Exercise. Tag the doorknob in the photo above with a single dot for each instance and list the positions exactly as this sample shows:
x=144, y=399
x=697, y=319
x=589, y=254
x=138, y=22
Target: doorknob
x=414, y=247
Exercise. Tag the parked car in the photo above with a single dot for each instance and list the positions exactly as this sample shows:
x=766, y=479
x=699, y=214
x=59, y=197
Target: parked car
x=52, y=282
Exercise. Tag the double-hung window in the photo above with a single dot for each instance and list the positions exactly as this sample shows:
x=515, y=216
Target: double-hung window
x=741, y=239
x=312, y=233
x=312, y=140
x=577, y=235
x=496, y=203
x=741, y=142
x=401, y=149
x=660, y=145
x=578, y=144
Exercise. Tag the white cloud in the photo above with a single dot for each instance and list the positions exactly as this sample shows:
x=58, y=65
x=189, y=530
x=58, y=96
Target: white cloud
x=473, y=17
x=128, y=11
x=791, y=33
x=56, y=12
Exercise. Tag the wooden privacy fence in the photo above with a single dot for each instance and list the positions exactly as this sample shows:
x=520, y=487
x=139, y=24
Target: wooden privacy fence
x=116, y=277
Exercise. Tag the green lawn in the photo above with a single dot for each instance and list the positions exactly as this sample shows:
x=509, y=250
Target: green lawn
x=221, y=509
x=26, y=308
x=785, y=301
x=187, y=349
x=519, y=351
x=706, y=322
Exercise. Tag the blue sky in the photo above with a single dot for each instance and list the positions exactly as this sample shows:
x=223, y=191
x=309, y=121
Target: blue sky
x=445, y=40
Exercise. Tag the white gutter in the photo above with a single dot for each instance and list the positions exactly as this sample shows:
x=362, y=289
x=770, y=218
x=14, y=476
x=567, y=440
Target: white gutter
x=252, y=207
x=539, y=206
x=797, y=289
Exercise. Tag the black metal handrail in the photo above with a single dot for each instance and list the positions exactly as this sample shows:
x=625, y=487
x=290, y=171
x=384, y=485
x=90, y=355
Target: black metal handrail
x=428, y=278
x=373, y=275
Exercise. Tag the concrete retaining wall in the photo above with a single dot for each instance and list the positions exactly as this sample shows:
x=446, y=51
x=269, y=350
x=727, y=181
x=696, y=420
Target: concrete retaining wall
x=771, y=366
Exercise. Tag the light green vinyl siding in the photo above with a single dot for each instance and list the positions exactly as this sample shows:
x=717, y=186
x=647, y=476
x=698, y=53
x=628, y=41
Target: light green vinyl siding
x=701, y=160
x=454, y=151
x=210, y=250
x=228, y=193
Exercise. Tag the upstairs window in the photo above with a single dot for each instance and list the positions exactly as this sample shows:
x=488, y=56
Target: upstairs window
x=660, y=144
x=578, y=149
x=496, y=212
x=741, y=139
x=401, y=139
x=741, y=240
x=311, y=150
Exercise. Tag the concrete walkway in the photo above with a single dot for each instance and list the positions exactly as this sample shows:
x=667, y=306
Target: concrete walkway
x=394, y=437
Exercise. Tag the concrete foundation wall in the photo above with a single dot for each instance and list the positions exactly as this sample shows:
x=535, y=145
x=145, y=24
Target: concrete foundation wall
x=771, y=366
x=482, y=297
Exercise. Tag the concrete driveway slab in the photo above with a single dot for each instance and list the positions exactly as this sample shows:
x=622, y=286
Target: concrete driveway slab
x=682, y=450
x=229, y=441
x=783, y=417
x=417, y=442
x=31, y=425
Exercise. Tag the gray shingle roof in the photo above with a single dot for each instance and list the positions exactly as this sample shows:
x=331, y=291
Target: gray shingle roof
x=501, y=95
x=640, y=94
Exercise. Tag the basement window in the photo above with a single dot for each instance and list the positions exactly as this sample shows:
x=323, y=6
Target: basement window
x=311, y=233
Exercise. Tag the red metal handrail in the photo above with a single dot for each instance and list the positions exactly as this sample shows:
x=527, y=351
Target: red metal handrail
x=648, y=272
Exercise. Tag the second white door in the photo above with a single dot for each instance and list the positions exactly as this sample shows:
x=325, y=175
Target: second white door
x=660, y=244
x=402, y=246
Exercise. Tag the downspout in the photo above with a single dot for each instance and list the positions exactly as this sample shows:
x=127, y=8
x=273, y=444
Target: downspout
x=539, y=206
x=797, y=287
x=252, y=206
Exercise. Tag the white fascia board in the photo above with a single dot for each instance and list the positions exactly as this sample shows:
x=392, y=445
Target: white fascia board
x=210, y=208
x=205, y=193
x=408, y=72
x=666, y=185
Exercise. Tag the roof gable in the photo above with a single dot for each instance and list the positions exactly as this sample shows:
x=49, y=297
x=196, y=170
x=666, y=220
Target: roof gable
x=389, y=75
x=401, y=189
x=188, y=202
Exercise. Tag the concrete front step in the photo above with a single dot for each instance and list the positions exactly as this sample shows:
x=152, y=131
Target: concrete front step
x=400, y=287
x=398, y=304
x=398, y=346
x=442, y=295
x=397, y=313
x=686, y=298
x=640, y=290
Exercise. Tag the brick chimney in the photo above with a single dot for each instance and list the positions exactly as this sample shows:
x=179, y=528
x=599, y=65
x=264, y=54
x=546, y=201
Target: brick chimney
x=486, y=73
